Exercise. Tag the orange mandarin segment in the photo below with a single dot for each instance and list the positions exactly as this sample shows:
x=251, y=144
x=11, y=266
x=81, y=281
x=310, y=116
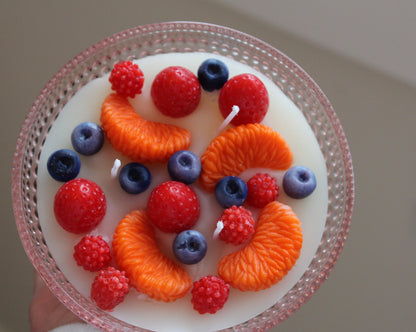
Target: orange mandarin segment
x=139, y=139
x=149, y=270
x=271, y=253
x=243, y=147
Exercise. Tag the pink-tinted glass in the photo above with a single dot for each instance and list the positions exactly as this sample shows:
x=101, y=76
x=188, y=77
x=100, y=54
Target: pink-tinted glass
x=152, y=39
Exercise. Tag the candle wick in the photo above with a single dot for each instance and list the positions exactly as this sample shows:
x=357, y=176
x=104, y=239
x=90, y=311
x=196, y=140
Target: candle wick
x=114, y=170
x=234, y=111
x=218, y=229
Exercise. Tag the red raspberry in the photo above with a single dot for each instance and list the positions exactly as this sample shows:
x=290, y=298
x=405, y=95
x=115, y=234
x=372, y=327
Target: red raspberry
x=248, y=93
x=92, y=253
x=79, y=206
x=176, y=91
x=173, y=207
x=109, y=288
x=127, y=79
x=262, y=189
x=238, y=225
x=209, y=294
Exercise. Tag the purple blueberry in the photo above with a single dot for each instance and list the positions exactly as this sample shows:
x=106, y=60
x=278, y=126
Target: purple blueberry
x=299, y=182
x=231, y=190
x=212, y=74
x=134, y=178
x=87, y=138
x=189, y=247
x=63, y=165
x=184, y=166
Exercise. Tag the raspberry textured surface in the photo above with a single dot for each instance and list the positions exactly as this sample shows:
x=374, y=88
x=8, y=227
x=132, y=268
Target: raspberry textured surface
x=209, y=294
x=173, y=207
x=109, y=288
x=139, y=139
x=238, y=225
x=240, y=148
x=92, y=253
x=79, y=205
x=262, y=189
x=271, y=253
x=176, y=91
x=247, y=92
x=126, y=79
x=151, y=272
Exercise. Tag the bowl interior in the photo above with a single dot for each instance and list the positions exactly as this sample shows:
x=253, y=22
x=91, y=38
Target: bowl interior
x=143, y=41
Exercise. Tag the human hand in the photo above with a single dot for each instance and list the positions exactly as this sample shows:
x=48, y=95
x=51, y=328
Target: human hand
x=46, y=311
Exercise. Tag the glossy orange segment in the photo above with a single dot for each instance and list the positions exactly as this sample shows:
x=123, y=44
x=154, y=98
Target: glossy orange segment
x=139, y=139
x=271, y=253
x=241, y=148
x=149, y=270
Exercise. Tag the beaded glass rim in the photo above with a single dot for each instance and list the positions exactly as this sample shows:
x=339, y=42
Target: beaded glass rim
x=151, y=39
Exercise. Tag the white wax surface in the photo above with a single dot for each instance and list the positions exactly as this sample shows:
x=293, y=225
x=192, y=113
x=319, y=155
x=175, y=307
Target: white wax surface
x=137, y=309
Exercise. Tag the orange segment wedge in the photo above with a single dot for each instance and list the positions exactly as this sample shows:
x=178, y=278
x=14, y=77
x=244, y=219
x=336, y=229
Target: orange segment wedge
x=149, y=270
x=139, y=139
x=241, y=148
x=271, y=253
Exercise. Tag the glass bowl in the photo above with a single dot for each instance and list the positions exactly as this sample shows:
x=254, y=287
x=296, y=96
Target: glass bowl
x=146, y=40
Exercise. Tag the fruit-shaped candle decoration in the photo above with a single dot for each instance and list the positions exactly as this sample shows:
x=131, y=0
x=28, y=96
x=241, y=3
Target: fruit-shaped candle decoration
x=176, y=91
x=248, y=92
x=135, y=178
x=87, y=138
x=299, y=182
x=173, y=207
x=212, y=74
x=190, y=247
x=64, y=165
x=136, y=138
x=80, y=205
x=137, y=252
x=279, y=235
x=240, y=148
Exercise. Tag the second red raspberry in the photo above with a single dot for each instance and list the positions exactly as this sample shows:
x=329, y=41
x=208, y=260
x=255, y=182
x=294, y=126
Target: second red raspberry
x=262, y=189
x=238, y=225
x=92, y=253
x=127, y=79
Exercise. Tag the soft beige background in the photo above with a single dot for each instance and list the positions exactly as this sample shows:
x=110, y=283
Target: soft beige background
x=372, y=287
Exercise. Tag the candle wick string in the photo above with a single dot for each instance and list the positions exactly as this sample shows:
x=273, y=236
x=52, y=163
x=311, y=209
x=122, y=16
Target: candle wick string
x=234, y=111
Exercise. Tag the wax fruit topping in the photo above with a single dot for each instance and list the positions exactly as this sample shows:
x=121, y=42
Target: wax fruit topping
x=150, y=271
x=271, y=253
x=173, y=207
x=262, y=189
x=79, y=205
x=126, y=79
x=176, y=91
x=209, y=294
x=63, y=165
x=184, y=166
x=299, y=182
x=238, y=225
x=249, y=93
x=87, y=138
x=240, y=148
x=212, y=74
x=92, y=253
x=137, y=138
x=189, y=246
x=109, y=288
x=230, y=190
x=135, y=178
